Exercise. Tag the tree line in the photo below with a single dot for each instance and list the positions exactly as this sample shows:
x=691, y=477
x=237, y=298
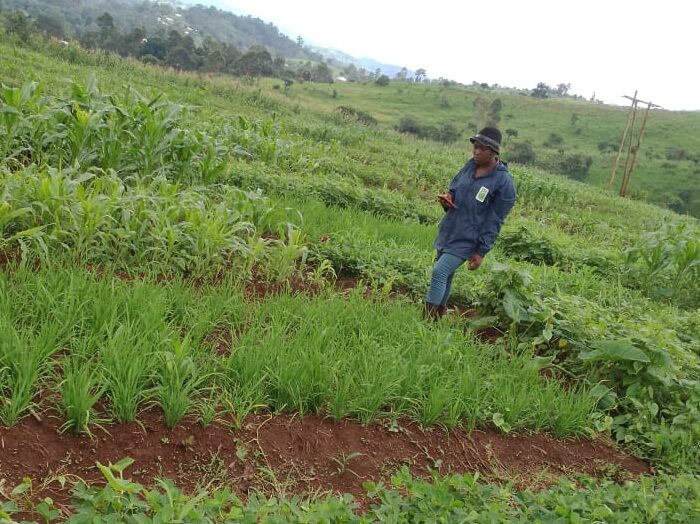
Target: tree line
x=166, y=39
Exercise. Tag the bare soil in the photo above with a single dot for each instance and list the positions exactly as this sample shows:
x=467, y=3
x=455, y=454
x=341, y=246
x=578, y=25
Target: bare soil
x=284, y=455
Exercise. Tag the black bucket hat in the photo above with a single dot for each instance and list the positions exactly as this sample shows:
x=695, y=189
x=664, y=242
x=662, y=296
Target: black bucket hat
x=489, y=137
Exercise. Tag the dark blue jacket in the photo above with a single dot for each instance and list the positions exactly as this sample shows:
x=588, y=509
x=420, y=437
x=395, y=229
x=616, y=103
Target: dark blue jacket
x=482, y=205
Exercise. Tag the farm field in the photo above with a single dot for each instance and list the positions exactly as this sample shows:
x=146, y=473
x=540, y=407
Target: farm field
x=210, y=307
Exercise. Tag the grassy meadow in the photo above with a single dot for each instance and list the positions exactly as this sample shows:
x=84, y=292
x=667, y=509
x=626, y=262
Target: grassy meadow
x=138, y=206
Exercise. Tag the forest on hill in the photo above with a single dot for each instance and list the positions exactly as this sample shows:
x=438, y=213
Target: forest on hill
x=67, y=18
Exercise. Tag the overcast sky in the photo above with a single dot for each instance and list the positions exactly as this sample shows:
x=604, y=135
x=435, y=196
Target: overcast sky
x=610, y=48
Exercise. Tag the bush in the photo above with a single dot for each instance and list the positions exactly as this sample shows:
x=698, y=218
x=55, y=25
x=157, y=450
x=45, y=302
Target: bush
x=676, y=153
x=521, y=153
x=446, y=133
x=382, y=81
x=553, y=140
x=604, y=146
x=361, y=117
x=576, y=166
x=531, y=246
x=409, y=125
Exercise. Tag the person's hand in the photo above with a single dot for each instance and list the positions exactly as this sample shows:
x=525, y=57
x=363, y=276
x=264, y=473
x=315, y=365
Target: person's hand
x=446, y=200
x=475, y=261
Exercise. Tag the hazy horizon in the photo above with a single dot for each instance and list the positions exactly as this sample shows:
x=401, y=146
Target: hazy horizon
x=601, y=48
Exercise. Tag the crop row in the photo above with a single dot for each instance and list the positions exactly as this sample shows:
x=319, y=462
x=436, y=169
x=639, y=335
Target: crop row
x=456, y=498
x=138, y=345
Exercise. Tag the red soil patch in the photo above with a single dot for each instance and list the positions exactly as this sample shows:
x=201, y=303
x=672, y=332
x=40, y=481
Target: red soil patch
x=283, y=455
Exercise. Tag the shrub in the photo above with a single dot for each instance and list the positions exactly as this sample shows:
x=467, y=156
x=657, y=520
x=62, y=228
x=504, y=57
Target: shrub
x=409, y=125
x=576, y=166
x=361, y=117
x=676, y=153
x=382, y=81
x=531, y=246
x=446, y=133
x=521, y=153
x=553, y=140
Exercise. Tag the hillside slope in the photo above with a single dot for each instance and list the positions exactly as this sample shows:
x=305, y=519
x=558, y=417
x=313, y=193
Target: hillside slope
x=181, y=249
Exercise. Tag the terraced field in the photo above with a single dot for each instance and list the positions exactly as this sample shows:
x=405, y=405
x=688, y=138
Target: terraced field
x=206, y=285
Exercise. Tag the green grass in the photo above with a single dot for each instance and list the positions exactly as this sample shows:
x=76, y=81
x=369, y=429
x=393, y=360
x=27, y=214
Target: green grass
x=347, y=356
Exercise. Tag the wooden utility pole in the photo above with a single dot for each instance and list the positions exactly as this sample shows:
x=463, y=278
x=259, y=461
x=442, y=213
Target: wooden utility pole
x=633, y=148
x=630, y=118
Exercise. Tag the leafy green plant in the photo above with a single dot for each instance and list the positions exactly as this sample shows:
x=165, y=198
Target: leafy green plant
x=80, y=391
x=509, y=295
x=179, y=380
x=343, y=461
x=526, y=243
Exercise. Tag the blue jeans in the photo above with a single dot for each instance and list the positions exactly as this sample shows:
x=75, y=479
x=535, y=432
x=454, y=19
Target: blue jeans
x=441, y=280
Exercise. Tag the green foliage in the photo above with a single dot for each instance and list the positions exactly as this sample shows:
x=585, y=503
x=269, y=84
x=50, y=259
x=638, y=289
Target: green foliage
x=509, y=295
x=541, y=91
x=455, y=498
x=179, y=380
x=445, y=133
x=531, y=245
x=352, y=114
x=80, y=390
x=666, y=264
x=536, y=191
x=554, y=140
x=382, y=81
x=575, y=166
x=521, y=153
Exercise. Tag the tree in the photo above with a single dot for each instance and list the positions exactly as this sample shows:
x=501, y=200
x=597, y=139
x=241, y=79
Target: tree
x=446, y=133
x=156, y=47
x=18, y=24
x=231, y=54
x=214, y=61
x=420, y=75
x=350, y=72
x=105, y=22
x=541, y=91
x=563, y=89
x=382, y=81
x=256, y=61
x=181, y=58
x=108, y=37
x=401, y=75
x=133, y=42
x=322, y=73
x=51, y=25
x=410, y=125
x=481, y=106
x=494, y=115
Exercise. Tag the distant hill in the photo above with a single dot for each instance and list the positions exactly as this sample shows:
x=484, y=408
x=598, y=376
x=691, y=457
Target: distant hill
x=216, y=21
x=75, y=18
x=369, y=64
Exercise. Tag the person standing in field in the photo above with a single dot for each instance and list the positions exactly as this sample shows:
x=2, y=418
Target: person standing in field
x=476, y=204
